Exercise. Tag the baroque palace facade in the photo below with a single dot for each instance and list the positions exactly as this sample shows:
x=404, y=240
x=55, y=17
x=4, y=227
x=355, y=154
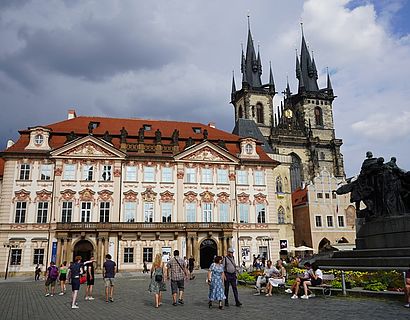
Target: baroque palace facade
x=133, y=188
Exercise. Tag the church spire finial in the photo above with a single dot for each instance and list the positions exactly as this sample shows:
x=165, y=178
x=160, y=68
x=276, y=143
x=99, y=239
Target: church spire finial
x=271, y=81
x=233, y=92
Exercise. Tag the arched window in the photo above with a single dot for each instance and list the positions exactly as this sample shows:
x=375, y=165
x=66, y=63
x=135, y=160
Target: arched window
x=318, y=116
x=259, y=113
x=279, y=186
x=295, y=172
x=281, y=215
x=240, y=112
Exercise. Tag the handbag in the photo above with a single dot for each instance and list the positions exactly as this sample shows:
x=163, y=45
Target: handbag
x=83, y=279
x=158, y=277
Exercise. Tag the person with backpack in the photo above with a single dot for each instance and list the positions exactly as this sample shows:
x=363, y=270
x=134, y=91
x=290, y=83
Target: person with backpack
x=157, y=284
x=51, y=278
x=230, y=276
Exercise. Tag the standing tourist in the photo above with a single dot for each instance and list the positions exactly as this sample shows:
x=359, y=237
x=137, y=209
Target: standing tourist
x=51, y=279
x=76, y=269
x=89, y=270
x=191, y=265
x=176, y=271
x=63, y=277
x=37, y=272
x=145, y=267
x=157, y=284
x=230, y=276
x=108, y=275
x=407, y=289
x=216, y=278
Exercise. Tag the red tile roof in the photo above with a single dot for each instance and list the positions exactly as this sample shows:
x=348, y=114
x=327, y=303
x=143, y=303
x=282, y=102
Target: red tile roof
x=1, y=167
x=79, y=125
x=299, y=197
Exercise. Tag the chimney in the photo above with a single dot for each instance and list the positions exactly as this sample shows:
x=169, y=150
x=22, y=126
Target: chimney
x=71, y=114
x=9, y=143
x=211, y=124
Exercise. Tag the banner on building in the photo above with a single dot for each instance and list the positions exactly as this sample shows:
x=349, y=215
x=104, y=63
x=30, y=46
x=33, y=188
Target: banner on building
x=54, y=251
x=283, y=244
x=246, y=254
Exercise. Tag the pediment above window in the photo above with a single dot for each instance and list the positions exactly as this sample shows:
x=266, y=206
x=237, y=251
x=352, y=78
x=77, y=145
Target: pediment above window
x=206, y=152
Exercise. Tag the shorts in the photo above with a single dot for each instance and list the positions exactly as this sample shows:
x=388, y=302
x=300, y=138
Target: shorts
x=75, y=284
x=109, y=282
x=316, y=282
x=275, y=282
x=51, y=282
x=191, y=268
x=63, y=277
x=177, y=284
x=90, y=282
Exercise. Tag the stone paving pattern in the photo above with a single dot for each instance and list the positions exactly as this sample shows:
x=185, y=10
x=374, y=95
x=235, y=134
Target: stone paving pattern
x=26, y=300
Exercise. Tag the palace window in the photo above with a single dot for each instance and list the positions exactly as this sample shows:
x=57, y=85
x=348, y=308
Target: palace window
x=128, y=255
x=166, y=208
x=242, y=177
x=106, y=172
x=147, y=254
x=259, y=177
x=206, y=175
x=318, y=221
x=86, y=211
x=327, y=195
x=25, y=171
x=21, y=208
x=243, y=213
x=42, y=210
x=148, y=211
x=67, y=211
x=281, y=215
x=329, y=220
x=263, y=251
x=223, y=212
x=38, y=257
x=45, y=172
x=222, y=176
x=15, y=257
x=190, y=209
x=341, y=221
x=131, y=173
x=207, y=212
x=130, y=209
x=320, y=195
x=261, y=213
x=149, y=174
x=69, y=172
x=88, y=172
x=318, y=116
x=104, y=211
x=166, y=174
x=190, y=174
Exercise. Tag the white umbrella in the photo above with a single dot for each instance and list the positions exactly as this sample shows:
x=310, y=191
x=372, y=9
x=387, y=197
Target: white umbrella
x=303, y=248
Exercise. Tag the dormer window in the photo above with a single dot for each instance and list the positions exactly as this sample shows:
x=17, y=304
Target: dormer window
x=249, y=148
x=147, y=127
x=39, y=139
x=197, y=130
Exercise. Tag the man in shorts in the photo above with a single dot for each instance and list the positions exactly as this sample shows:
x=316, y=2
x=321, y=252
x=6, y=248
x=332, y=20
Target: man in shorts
x=176, y=271
x=51, y=276
x=89, y=270
x=108, y=275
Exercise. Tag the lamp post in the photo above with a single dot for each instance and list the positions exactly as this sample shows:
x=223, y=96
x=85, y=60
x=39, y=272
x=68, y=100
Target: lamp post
x=8, y=245
x=268, y=240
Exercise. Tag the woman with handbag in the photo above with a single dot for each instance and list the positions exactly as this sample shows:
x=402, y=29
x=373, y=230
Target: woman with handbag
x=216, y=279
x=157, y=284
x=75, y=273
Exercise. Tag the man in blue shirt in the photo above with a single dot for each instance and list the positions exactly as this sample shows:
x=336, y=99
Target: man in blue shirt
x=108, y=275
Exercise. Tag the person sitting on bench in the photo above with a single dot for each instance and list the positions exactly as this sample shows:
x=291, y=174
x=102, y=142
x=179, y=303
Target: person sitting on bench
x=267, y=273
x=316, y=279
x=277, y=278
x=299, y=281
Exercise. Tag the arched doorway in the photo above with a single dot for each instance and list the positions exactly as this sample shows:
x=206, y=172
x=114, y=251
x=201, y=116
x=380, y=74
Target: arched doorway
x=83, y=248
x=323, y=244
x=208, y=250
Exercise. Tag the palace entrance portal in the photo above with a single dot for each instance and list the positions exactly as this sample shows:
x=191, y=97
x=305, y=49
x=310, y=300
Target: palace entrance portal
x=83, y=248
x=208, y=250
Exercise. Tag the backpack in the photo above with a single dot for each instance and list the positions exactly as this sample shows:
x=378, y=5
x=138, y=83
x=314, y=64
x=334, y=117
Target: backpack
x=53, y=272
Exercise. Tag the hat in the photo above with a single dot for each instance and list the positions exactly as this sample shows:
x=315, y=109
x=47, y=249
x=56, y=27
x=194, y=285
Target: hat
x=231, y=250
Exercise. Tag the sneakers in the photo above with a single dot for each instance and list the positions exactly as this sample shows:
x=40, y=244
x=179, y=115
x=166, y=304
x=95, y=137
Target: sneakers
x=268, y=295
x=86, y=298
x=75, y=307
x=312, y=295
x=47, y=294
x=111, y=300
x=91, y=298
x=238, y=304
x=257, y=294
x=407, y=305
x=175, y=304
x=294, y=297
x=61, y=294
x=305, y=297
x=180, y=301
x=51, y=295
x=288, y=291
x=226, y=304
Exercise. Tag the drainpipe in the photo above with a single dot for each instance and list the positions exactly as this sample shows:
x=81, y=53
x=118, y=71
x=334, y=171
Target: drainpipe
x=51, y=214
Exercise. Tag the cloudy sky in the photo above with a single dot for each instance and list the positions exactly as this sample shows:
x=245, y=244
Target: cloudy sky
x=173, y=59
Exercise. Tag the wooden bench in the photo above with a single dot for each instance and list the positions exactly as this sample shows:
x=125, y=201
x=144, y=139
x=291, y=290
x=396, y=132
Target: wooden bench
x=326, y=286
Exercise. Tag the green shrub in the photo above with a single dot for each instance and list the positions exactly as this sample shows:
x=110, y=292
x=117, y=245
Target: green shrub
x=376, y=286
x=246, y=277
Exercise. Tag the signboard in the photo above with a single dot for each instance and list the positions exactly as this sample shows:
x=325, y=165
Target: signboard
x=283, y=244
x=166, y=254
x=54, y=252
x=246, y=254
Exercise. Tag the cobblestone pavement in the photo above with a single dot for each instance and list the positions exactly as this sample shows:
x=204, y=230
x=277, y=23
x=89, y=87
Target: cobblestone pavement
x=26, y=300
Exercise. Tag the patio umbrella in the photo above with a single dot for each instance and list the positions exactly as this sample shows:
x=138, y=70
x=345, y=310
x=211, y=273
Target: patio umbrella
x=303, y=248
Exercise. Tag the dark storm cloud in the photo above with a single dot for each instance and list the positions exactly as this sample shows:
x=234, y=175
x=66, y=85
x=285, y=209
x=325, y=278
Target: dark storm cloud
x=4, y=4
x=93, y=50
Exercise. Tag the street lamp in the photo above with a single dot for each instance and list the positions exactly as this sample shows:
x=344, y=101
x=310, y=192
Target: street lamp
x=10, y=246
x=268, y=240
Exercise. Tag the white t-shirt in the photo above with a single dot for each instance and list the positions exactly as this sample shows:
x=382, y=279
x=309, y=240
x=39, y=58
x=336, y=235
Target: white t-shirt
x=319, y=273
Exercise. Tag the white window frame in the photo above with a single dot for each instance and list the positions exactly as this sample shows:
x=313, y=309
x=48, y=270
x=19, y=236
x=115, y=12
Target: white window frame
x=38, y=256
x=45, y=172
x=130, y=211
x=190, y=211
x=222, y=176
x=88, y=172
x=67, y=211
x=25, y=169
x=242, y=177
x=259, y=176
x=16, y=257
x=244, y=212
x=316, y=222
x=149, y=174
x=223, y=210
x=327, y=222
x=69, y=171
x=106, y=172
x=104, y=213
x=207, y=212
x=148, y=254
x=261, y=213
x=86, y=211
x=131, y=173
x=166, y=174
x=128, y=255
x=149, y=212
x=190, y=175
x=206, y=175
x=42, y=211
x=20, y=212
x=166, y=212
x=341, y=219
